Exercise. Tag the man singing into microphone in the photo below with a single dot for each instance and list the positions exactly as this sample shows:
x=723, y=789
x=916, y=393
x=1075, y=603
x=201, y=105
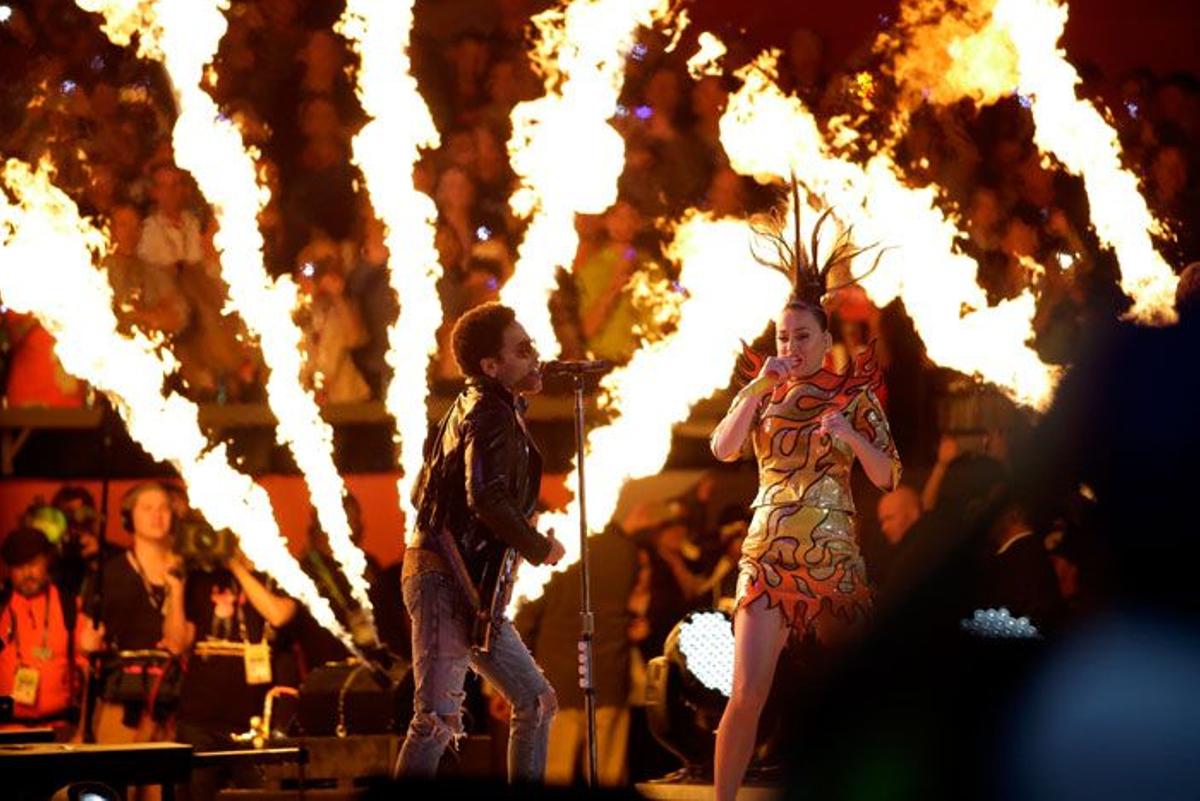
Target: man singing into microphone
x=474, y=498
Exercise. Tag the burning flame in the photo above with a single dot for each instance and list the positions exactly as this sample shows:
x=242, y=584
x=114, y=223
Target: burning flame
x=707, y=60
x=1074, y=132
x=46, y=257
x=730, y=297
x=993, y=48
x=566, y=154
x=184, y=35
x=386, y=149
x=941, y=54
x=771, y=136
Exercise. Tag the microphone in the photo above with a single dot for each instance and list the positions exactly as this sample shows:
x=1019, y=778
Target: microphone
x=566, y=367
x=764, y=383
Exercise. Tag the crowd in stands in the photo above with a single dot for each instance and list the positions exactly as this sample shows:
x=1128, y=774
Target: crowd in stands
x=105, y=117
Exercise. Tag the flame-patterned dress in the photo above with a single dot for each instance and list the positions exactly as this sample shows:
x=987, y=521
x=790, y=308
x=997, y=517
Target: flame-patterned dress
x=801, y=551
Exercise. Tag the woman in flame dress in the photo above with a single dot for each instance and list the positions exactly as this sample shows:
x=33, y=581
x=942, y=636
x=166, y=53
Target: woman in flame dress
x=801, y=573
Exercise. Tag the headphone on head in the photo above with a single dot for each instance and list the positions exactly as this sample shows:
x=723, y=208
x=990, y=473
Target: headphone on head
x=130, y=498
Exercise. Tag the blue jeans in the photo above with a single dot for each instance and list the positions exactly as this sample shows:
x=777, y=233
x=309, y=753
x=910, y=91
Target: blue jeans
x=441, y=621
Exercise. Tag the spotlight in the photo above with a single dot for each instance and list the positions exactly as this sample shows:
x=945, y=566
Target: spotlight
x=86, y=791
x=688, y=688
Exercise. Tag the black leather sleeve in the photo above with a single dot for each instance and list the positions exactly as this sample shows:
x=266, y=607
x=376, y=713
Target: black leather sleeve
x=489, y=450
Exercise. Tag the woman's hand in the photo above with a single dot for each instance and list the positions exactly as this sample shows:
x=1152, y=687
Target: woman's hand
x=777, y=367
x=837, y=426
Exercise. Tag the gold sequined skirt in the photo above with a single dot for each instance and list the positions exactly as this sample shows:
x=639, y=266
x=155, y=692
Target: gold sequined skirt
x=806, y=561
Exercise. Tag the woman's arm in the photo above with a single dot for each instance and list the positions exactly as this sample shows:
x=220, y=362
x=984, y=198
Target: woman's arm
x=870, y=438
x=730, y=434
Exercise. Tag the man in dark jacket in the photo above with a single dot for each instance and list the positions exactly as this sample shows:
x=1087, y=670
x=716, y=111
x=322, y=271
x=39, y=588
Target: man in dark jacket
x=475, y=497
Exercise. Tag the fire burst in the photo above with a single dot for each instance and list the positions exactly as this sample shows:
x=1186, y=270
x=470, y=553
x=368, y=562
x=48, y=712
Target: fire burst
x=1074, y=132
x=184, y=35
x=386, y=150
x=566, y=154
x=46, y=255
x=771, y=136
x=993, y=48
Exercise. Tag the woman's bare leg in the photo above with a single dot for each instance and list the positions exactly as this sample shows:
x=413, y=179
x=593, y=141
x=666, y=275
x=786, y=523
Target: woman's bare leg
x=759, y=636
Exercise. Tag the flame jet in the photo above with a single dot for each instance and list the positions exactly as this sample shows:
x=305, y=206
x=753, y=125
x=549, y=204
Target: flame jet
x=385, y=150
x=46, y=269
x=183, y=35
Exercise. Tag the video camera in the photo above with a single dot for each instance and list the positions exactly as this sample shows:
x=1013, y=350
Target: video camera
x=202, y=546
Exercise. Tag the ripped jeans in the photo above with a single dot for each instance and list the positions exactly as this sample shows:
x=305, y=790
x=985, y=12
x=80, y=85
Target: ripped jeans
x=441, y=622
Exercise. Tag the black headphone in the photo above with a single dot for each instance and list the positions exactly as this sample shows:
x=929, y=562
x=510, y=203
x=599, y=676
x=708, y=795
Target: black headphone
x=130, y=498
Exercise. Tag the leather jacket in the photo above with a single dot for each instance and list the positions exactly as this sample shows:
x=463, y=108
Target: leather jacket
x=479, y=486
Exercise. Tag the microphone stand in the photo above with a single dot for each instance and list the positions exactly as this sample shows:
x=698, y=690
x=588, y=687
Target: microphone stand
x=587, y=619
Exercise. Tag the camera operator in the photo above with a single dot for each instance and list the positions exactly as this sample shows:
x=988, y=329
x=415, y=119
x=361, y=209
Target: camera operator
x=236, y=658
x=82, y=552
x=139, y=621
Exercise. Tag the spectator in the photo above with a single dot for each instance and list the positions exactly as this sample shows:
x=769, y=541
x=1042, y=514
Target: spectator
x=324, y=76
x=971, y=486
x=37, y=654
x=898, y=511
x=146, y=296
x=492, y=173
x=675, y=587
x=709, y=99
x=732, y=527
x=947, y=452
x=509, y=82
x=171, y=234
x=726, y=195
x=103, y=191
x=1015, y=573
x=805, y=70
x=465, y=224
x=609, y=319
x=984, y=216
x=369, y=290
x=82, y=552
x=333, y=327
x=469, y=58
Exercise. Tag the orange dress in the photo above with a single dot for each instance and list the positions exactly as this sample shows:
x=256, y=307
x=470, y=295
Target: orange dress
x=801, y=551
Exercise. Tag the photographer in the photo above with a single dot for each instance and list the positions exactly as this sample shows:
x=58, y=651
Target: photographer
x=139, y=620
x=236, y=658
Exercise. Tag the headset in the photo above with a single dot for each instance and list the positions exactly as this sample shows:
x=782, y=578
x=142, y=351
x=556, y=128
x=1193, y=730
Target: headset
x=130, y=498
